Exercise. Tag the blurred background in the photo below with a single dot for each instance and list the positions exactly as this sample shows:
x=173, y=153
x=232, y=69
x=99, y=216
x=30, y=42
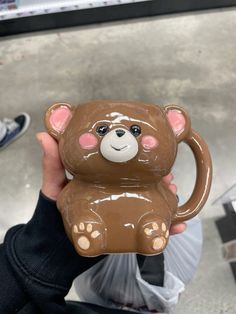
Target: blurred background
x=169, y=53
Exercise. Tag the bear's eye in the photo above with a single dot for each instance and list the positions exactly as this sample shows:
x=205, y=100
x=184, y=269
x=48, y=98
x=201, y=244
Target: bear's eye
x=135, y=130
x=102, y=130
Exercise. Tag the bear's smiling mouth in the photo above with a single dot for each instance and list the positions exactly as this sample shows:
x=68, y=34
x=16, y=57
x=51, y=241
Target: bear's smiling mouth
x=119, y=149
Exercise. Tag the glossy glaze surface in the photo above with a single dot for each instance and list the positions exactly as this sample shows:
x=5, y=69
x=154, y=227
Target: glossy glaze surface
x=118, y=153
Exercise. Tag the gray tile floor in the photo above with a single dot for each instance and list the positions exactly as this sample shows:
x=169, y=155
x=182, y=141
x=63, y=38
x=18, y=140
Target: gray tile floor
x=185, y=59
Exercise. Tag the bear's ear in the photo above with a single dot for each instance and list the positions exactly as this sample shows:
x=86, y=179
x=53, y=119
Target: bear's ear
x=57, y=118
x=179, y=121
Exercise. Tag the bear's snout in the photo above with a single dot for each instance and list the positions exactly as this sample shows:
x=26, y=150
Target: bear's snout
x=119, y=145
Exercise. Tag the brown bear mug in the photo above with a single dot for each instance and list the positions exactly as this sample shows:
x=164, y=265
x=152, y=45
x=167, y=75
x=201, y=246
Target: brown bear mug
x=118, y=153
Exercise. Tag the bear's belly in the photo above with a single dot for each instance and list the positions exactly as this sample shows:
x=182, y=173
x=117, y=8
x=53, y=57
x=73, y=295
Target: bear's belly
x=122, y=219
x=122, y=215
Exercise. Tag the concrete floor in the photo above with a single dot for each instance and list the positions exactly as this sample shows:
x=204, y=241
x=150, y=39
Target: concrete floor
x=187, y=59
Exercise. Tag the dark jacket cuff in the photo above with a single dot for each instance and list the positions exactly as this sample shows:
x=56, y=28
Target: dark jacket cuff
x=40, y=249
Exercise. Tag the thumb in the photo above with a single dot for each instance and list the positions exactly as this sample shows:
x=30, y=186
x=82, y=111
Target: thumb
x=54, y=178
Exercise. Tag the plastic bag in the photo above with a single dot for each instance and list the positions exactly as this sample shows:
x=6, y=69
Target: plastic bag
x=183, y=252
x=116, y=280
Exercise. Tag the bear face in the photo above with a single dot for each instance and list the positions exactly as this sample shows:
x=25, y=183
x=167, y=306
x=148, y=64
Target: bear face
x=118, y=142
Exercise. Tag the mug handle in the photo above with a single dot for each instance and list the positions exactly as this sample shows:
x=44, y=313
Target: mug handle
x=203, y=178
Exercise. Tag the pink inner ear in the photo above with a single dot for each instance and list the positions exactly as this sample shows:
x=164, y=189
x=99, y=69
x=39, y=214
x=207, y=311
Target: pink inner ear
x=60, y=117
x=176, y=120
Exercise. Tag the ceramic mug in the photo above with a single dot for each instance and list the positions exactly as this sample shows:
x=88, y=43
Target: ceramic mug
x=118, y=152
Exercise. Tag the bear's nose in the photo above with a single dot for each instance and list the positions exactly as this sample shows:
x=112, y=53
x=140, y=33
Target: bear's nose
x=120, y=133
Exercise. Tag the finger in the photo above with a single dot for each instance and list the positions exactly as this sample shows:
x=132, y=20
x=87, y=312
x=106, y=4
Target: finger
x=173, y=188
x=54, y=178
x=167, y=179
x=178, y=228
x=49, y=146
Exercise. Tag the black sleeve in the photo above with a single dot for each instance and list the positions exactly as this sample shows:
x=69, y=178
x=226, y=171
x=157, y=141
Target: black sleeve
x=152, y=269
x=39, y=264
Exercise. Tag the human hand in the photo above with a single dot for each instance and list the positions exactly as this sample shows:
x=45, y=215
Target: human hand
x=54, y=178
x=177, y=228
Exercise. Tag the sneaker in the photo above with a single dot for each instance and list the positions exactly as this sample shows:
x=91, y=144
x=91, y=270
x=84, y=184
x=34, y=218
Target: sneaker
x=15, y=128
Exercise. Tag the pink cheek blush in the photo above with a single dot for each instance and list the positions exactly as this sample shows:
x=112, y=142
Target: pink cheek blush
x=87, y=141
x=149, y=142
